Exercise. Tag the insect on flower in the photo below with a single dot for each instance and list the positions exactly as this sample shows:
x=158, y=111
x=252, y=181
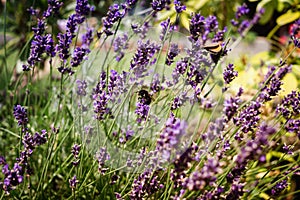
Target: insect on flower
x=144, y=96
x=213, y=48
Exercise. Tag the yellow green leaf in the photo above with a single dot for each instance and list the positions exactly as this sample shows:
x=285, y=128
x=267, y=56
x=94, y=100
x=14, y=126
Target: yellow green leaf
x=185, y=21
x=287, y=18
x=282, y=156
x=197, y=4
x=296, y=69
x=289, y=83
x=257, y=58
x=264, y=196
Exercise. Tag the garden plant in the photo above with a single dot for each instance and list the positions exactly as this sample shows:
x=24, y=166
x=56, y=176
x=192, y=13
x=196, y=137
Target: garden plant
x=126, y=106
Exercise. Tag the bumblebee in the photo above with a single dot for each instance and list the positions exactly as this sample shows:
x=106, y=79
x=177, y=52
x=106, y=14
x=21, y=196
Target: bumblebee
x=144, y=97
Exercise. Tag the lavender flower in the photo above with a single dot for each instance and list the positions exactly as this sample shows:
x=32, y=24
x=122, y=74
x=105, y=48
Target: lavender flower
x=231, y=106
x=30, y=142
x=118, y=196
x=2, y=160
x=179, y=101
x=20, y=114
x=257, y=16
x=290, y=105
x=75, y=151
x=13, y=177
x=212, y=195
x=182, y=163
x=173, y=52
x=167, y=28
x=248, y=118
x=288, y=149
x=40, y=138
x=243, y=26
x=272, y=90
x=142, y=31
x=179, y=7
x=142, y=110
x=253, y=150
x=242, y=11
x=180, y=69
x=295, y=33
x=197, y=24
x=87, y=38
x=170, y=138
x=73, y=182
x=142, y=57
x=102, y=156
x=117, y=84
x=81, y=87
x=79, y=55
x=145, y=185
x=156, y=85
x=279, y=187
x=83, y=8
x=220, y=35
x=214, y=131
x=40, y=28
x=236, y=191
x=101, y=99
x=63, y=46
x=293, y=125
x=229, y=74
x=114, y=14
x=39, y=45
x=158, y=5
x=130, y=3
x=101, y=109
x=283, y=71
x=120, y=44
x=72, y=25
x=198, y=180
x=32, y=11
x=210, y=26
x=53, y=8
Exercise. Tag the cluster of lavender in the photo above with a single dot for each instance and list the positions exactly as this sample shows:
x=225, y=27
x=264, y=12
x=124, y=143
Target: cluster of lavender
x=289, y=109
x=295, y=32
x=120, y=44
x=142, y=58
x=15, y=176
x=249, y=117
x=243, y=25
x=170, y=138
x=208, y=167
x=144, y=185
x=115, y=13
x=43, y=42
x=75, y=151
x=104, y=93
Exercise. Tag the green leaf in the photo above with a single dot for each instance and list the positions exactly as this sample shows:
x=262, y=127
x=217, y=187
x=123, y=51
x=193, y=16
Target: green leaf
x=280, y=6
x=281, y=155
x=287, y=18
x=269, y=6
x=196, y=4
x=184, y=20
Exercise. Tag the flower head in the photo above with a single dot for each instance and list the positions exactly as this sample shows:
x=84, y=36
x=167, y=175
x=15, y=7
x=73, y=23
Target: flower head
x=53, y=7
x=179, y=7
x=20, y=114
x=73, y=182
